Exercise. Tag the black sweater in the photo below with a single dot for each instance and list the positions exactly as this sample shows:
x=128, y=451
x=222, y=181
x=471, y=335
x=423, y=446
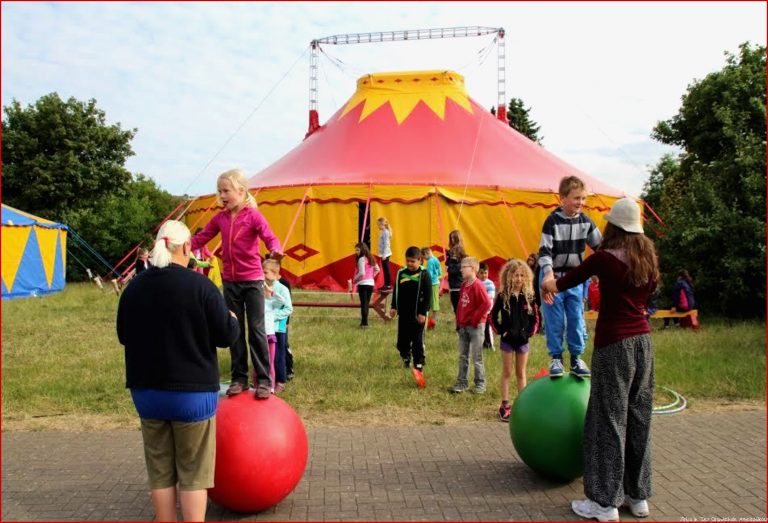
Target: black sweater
x=170, y=321
x=516, y=324
x=412, y=294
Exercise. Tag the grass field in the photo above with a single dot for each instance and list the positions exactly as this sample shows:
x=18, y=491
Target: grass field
x=62, y=367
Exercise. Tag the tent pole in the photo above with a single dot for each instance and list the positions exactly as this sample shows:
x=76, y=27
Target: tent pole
x=205, y=212
x=365, y=215
x=114, y=269
x=658, y=219
x=441, y=230
x=296, y=217
x=514, y=223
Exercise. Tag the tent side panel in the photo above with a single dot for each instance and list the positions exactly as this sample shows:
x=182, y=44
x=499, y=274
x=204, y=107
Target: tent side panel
x=14, y=243
x=30, y=278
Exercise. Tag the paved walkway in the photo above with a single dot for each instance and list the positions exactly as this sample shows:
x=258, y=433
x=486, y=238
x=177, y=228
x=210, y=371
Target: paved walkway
x=706, y=466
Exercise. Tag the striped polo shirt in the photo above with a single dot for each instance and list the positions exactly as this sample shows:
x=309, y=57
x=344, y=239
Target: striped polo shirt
x=564, y=240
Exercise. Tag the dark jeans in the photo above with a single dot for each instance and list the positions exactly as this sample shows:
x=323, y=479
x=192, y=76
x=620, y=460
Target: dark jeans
x=410, y=340
x=288, y=353
x=455, y=300
x=246, y=300
x=280, y=357
x=365, y=292
x=385, y=270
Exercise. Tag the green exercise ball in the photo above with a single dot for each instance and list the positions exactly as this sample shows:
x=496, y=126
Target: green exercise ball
x=547, y=426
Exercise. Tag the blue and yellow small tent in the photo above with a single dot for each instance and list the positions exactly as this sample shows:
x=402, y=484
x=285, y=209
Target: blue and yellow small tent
x=33, y=254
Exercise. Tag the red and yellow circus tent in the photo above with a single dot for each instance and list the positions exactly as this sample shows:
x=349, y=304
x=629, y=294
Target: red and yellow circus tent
x=414, y=148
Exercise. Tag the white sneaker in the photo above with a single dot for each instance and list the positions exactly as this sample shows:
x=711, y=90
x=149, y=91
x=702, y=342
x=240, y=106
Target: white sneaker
x=587, y=508
x=638, y=507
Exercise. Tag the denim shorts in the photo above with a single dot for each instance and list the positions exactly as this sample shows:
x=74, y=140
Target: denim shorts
x=506, y=347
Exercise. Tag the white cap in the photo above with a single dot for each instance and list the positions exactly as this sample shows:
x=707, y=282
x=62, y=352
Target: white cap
x=625, y=214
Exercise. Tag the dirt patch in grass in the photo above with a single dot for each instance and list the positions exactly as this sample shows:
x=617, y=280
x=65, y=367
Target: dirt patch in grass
x=70, y=423
x=379, y=417
x=719, y=405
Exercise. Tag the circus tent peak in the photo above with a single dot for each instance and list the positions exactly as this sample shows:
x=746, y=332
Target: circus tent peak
x=420, y=128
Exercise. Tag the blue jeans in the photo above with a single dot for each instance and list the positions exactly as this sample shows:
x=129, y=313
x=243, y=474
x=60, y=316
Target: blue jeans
x=565, y=314
x=471, y=345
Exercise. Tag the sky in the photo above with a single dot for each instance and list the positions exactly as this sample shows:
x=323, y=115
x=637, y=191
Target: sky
x=212, y=86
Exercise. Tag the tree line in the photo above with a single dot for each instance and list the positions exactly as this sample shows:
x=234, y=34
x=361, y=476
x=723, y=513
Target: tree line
x=62, y=161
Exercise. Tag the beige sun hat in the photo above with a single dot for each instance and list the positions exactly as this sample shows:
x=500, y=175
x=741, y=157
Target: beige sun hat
x=625, y=214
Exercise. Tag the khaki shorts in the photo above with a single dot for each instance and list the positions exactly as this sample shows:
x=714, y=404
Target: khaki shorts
x=179, y=452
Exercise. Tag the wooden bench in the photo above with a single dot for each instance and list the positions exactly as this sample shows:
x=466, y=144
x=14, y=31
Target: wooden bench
x=661, y=313
x=378, y=304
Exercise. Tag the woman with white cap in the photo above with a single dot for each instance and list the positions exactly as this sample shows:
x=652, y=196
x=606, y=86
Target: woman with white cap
x=617, y=430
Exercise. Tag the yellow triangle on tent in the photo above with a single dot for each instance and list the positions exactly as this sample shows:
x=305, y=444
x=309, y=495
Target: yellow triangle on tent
x=14, y=240
x=63, y=236
x=46, y=241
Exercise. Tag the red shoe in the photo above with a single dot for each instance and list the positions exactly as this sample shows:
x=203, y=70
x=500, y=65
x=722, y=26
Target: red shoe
x=419, y=377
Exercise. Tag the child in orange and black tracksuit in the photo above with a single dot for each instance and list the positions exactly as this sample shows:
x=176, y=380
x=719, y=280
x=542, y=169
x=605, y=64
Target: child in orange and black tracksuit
x=411, y=300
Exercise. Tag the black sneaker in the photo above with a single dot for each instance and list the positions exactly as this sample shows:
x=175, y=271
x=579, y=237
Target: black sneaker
x=406, y=363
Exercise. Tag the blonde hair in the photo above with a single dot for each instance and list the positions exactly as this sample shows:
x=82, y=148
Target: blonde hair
x=274, y=264
x=171, y=236
x=469, y=261
x=384, y=223
x=505, y=282
x=570, y=183
x=239, y=181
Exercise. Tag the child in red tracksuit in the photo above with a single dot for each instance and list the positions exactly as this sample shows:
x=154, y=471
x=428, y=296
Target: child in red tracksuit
x=242, y=227
x=472, y=310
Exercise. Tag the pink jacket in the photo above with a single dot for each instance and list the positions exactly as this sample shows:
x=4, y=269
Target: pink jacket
x=239, y=243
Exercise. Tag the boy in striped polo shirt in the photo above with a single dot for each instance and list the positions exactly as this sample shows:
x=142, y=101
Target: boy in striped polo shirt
x=564, y=237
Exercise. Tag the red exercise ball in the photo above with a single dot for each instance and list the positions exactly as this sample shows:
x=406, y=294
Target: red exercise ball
x=261, y=452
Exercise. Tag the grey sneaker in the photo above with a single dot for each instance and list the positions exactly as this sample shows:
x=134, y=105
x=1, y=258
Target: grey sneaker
x=556, y=368
x=587, y=508
x=458, y=388
x=638, y=507
x=479, y=390
x=580, y=369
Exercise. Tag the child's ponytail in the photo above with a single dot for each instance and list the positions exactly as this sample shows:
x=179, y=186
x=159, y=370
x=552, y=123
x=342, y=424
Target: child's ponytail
x=170, y=237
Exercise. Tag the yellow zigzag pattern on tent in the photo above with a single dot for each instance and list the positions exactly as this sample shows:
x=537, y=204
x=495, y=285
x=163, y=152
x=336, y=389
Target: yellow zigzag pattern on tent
x=404, y=90
x=14, y=244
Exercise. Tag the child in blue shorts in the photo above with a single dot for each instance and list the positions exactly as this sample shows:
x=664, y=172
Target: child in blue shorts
x=515, y=319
